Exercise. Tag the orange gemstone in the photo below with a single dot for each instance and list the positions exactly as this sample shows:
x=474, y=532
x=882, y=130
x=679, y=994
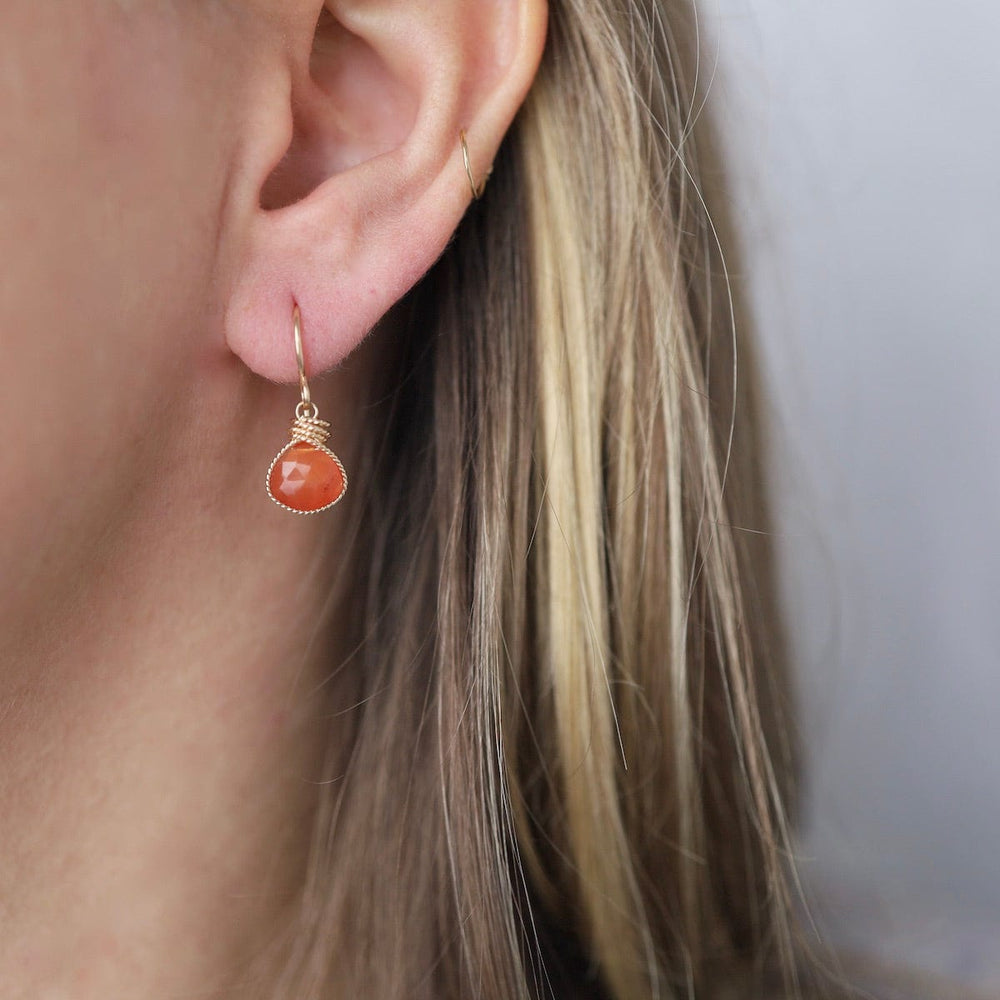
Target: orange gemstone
x=306, y=478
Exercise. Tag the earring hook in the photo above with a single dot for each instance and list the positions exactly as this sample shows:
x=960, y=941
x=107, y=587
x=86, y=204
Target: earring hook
x=299, y=358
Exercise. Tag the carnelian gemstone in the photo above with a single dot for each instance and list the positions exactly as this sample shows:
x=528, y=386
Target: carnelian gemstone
x=306, y=478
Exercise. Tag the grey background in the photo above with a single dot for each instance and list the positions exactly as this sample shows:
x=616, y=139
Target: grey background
x=864, y=141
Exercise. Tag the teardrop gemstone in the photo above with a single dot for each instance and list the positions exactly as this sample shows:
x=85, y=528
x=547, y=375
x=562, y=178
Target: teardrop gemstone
x=306, y=478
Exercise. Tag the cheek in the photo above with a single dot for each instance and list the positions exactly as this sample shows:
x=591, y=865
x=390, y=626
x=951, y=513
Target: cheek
x=113, y=127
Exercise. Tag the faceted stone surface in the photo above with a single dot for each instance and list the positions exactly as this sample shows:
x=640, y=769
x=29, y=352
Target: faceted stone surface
x=306, y=478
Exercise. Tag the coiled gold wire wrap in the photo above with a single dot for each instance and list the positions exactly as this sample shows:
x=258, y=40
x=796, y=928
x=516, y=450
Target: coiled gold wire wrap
x=307, y=425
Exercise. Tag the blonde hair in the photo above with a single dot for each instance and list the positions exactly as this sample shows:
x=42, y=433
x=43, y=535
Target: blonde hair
x=568, y=773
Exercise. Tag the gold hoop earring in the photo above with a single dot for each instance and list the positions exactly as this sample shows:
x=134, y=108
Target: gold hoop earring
x=477, y=189
x=305, y=477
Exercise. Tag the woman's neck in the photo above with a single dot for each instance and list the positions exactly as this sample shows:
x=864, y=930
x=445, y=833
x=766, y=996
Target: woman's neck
x=162, y=727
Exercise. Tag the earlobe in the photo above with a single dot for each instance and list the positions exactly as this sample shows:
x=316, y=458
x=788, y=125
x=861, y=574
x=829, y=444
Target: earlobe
x=375, y=180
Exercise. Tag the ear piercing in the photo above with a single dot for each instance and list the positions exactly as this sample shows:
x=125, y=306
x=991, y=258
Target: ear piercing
x=305, y=476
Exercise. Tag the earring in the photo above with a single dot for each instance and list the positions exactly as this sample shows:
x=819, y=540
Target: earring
x=477, y=189
x=305, y=477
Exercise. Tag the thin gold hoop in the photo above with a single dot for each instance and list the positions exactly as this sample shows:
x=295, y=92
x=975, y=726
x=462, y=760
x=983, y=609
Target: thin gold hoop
x=477, y=189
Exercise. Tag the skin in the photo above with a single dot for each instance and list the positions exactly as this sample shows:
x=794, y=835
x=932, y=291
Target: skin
x=161, y=633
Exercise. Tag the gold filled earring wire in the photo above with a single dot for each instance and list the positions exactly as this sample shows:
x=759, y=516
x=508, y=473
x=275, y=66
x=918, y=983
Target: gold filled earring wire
x=305, y=477
x=477, y=189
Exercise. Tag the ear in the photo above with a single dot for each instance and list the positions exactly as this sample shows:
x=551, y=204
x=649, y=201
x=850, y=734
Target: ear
x=373, y=183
